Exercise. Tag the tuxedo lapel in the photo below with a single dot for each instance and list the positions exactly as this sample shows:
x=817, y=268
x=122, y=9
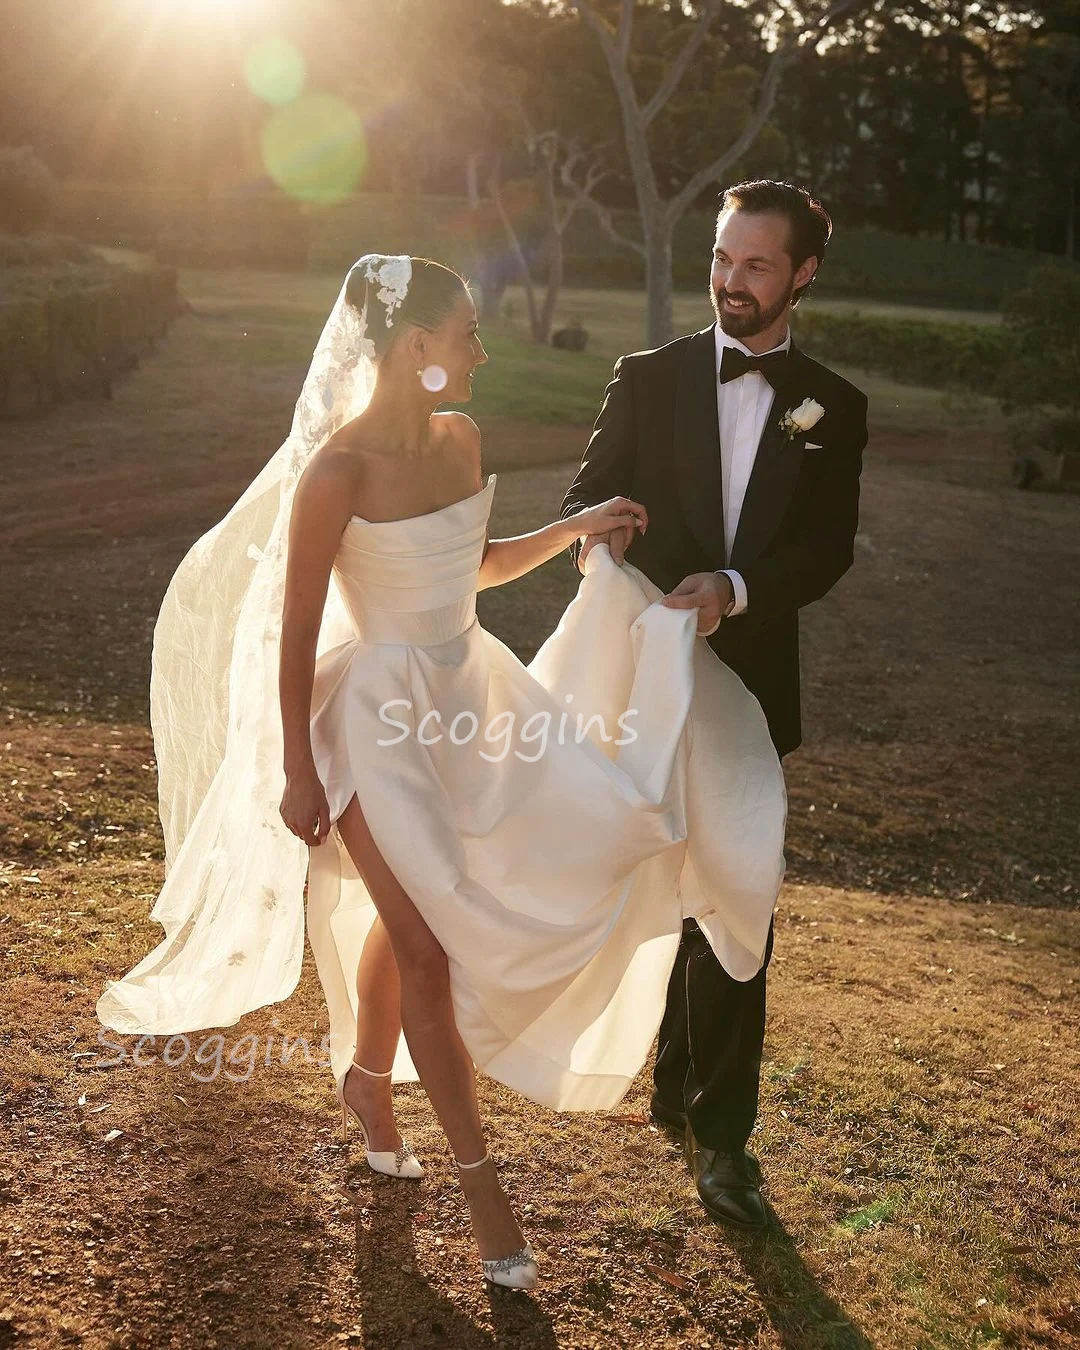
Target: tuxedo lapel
x=775, y=471
x=697, y=447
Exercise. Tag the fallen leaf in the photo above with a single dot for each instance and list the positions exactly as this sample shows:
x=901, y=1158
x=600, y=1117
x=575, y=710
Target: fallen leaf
x=668, y=1276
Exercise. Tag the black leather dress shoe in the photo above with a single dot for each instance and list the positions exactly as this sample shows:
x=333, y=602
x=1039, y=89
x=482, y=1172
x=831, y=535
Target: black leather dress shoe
x=728, y=1184
x=673, y=1117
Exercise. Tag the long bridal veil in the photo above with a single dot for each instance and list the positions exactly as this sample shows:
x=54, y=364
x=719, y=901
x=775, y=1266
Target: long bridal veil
x=232, y=904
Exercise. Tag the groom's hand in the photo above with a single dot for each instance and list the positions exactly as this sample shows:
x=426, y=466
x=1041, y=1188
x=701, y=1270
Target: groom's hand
x=711, y=593
x=617, y=541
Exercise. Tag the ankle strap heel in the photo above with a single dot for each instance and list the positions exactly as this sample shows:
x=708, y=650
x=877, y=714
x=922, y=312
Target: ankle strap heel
x=479, y=1163
x=517, y=1271
x=403, y=1162
x=371, y=1072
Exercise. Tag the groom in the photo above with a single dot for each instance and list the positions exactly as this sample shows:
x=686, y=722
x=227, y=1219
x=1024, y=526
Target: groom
x=747, y=456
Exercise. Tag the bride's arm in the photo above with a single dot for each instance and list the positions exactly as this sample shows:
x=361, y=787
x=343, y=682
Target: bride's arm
x=319, y=516
x=507, y=559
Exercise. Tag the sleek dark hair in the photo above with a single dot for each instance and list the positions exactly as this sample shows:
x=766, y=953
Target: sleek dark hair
x=810, y=223
x=434, y=290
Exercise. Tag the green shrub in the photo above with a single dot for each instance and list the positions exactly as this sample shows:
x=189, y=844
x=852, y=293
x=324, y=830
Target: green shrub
x=1043, y=365
x=119, y=216
x=27, y=191
x=1057, y=433
x=43, y=250
x=269, y=230
x=381, y=223
x=78, y=340
x=936, y=355
x=864, y=263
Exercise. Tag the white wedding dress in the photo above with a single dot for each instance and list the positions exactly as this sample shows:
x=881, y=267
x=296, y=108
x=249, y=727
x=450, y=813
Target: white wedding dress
x=554, y=869
x=555, y=876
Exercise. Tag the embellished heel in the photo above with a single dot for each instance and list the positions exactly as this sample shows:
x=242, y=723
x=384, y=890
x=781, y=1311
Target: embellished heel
x=516, y=1271
x=403, y=1163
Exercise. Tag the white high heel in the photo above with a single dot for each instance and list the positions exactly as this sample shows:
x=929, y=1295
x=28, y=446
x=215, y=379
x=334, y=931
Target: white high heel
x=403, y=1163
x=517, y=1271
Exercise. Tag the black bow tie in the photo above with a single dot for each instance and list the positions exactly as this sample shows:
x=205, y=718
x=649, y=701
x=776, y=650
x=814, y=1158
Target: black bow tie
x=734, y=363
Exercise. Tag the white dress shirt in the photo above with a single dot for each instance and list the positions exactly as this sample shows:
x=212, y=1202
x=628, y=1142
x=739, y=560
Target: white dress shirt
x=742, y=407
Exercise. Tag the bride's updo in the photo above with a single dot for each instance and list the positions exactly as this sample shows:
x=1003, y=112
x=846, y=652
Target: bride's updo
x=432, y=292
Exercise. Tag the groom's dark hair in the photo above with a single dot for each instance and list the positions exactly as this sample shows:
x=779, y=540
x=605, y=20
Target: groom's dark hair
x=810, y=223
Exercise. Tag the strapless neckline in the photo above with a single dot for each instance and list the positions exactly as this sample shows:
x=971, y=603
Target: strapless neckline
x=402, y=520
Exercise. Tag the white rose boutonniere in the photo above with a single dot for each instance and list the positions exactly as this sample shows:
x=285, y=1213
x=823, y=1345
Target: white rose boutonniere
x=808, y=414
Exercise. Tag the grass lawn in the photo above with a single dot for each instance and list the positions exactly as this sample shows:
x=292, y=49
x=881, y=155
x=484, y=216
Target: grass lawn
x=268, y=320
x=614, y=316
x=918, y=1119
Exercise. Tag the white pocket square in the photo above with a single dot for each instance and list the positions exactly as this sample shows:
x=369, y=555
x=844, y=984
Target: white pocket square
x=810, y=445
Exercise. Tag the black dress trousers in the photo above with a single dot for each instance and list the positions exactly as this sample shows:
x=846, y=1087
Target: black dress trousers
x=708, y=1061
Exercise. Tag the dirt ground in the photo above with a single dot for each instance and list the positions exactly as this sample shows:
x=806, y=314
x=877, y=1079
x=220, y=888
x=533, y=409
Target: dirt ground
x=918, y=1127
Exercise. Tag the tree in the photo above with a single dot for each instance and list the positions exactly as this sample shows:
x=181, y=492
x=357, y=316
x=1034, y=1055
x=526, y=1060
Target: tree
x=536, y=82
x=549, y=152
x=1046, y=141
x=660, y=213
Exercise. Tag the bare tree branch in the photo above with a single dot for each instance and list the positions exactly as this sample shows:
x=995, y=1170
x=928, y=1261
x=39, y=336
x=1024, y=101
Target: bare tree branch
x=599, y=28
x=495, y=189
x=634, y=129
x=595, y=173
x=659, y=215
x=831, y=15
x=770, y=86
x=679, y=66
x=788, y=50
x=626, y=24
x=602, y=213
x=550, y=152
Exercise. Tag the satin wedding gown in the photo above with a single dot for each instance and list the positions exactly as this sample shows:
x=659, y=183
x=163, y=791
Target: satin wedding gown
x=553, y=836
x=554, y=867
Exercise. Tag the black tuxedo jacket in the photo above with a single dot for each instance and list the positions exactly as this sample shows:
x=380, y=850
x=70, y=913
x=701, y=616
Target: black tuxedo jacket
x=657, y=440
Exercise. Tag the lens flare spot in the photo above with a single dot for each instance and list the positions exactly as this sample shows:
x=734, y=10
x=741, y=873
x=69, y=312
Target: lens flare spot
x=314, y=148
x=275, y=71
x=434, y=379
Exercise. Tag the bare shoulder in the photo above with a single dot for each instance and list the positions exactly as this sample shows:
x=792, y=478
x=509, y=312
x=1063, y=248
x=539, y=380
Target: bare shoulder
x=459, y=435
x=330, y=479
x=459, y=427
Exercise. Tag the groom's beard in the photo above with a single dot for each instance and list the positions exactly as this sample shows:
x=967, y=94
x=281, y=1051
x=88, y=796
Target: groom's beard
x=750, y=321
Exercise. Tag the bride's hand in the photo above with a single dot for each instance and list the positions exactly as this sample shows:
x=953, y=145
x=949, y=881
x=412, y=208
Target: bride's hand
x=618, y=513
x=304, y=807
x=613, y=523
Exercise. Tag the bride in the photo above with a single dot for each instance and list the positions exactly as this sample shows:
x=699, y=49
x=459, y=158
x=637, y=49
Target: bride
x=482, y=890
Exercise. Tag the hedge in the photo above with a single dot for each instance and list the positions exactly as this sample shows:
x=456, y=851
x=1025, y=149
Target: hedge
x=936, y=355
x=27, y=190
x=76, y=341
x=43, y=250
x=267, y=230
x=271, y=232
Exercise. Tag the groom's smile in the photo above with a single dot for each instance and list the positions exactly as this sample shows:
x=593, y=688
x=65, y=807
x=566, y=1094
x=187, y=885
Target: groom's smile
x=741, y=305
x=754, y=276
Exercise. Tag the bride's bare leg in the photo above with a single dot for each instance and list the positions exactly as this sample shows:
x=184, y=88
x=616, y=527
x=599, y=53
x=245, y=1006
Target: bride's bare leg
x=427, y=1015
x=378, y=1026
